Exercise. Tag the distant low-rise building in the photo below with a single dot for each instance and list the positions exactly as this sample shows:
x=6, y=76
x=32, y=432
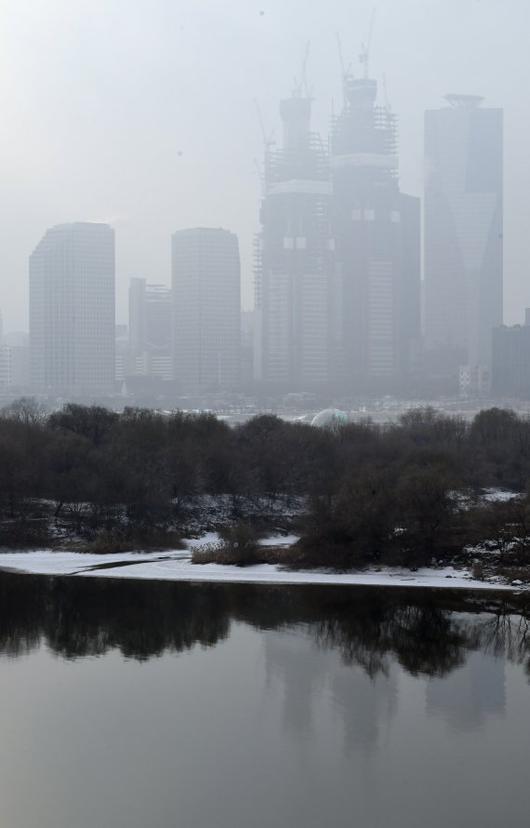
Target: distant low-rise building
x=247, y=347
x=14, y=363
x=5, y=369
x=150, y=330
x=121, y=353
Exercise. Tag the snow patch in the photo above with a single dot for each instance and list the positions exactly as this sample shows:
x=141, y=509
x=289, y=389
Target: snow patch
x=279, y=540
x=498, y=495
x=177, y=566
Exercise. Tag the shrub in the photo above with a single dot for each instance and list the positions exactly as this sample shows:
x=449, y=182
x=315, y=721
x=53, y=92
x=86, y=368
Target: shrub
x=113, y=541
x=21, y=534
x=238, y=547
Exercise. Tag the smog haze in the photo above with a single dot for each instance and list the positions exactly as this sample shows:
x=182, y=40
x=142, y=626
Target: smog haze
x=142, y=114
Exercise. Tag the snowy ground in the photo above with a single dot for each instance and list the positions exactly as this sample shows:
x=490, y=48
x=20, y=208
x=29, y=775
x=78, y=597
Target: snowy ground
x=177, y=566
x=492, y=495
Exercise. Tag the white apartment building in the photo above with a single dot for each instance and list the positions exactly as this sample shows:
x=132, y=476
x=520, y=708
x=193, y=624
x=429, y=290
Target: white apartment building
x=72, y=310
x=206, y=309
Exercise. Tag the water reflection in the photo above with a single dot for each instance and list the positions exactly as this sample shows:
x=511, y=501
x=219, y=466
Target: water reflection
x=364, y=704
x=427, y=633
x=231, y=705
x=471, y=694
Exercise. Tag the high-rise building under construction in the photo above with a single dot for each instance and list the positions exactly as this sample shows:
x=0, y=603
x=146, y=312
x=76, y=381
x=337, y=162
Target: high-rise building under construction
x=294, y=260
x=338, y=276
x=376, y=237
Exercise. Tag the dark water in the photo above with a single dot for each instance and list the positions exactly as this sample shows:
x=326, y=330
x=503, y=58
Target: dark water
x=144, y=705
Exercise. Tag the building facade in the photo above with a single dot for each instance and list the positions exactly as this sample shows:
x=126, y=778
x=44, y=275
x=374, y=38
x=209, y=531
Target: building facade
x=294, y=266
x=150, y=330
x=5, y=369
x=510, y=362
x=247, y=348
x=206, y=295
x=14, y=363
x=72, y=288
x=375, y=232
x=463, y=225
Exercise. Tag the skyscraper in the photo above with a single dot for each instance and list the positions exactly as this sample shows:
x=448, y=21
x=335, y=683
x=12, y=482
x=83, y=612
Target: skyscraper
x=150, y=329
x=338, y=271
x=206, y=309
x=375, y=231
x=463, y=232
x=71, y=274
x=294, y=264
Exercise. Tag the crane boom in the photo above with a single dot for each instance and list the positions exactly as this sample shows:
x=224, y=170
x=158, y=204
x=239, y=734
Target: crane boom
x=268, y=140
x=364, y=57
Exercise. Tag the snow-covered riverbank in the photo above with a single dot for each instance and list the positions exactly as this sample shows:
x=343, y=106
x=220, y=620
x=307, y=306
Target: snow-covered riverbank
x=177, y=566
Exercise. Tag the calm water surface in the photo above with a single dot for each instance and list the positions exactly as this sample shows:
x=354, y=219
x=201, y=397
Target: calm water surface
x=145, y=705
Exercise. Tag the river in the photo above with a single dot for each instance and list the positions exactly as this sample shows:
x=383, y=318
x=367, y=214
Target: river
x=130, y=704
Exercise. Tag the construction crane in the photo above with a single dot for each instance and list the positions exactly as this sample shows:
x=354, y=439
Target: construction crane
x=344, y=70
x=301, y=89
x=364, y=57
x=268, y=139
x=341, y=56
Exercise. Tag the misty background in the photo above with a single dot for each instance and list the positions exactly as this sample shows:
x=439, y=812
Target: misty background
x=142, y=114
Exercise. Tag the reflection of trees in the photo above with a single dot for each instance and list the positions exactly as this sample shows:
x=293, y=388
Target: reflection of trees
x=21, y=614
x=506, y=634
x=78, y=617
x=428, y=633
x=424, y=639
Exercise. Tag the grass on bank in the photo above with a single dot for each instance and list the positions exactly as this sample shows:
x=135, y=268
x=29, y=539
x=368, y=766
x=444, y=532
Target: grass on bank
x=238, y=546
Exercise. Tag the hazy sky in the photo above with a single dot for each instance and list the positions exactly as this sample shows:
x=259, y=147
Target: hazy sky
x=140, y=113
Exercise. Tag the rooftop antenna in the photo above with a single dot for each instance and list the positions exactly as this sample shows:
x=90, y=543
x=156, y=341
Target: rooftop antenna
x=364, y=57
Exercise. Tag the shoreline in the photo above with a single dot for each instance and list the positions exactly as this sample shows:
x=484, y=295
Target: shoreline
x=176, y=566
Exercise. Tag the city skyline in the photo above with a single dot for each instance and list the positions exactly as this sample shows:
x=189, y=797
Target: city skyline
x=264, y=413
x=122, y=311
x=337, y=269
x=141, y=192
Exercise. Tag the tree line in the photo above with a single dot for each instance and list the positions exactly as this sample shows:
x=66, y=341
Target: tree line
x=373, y=491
